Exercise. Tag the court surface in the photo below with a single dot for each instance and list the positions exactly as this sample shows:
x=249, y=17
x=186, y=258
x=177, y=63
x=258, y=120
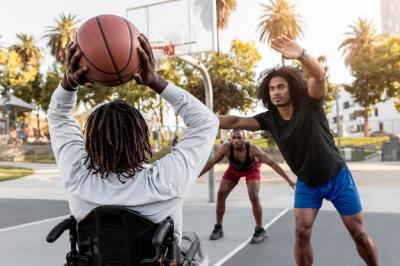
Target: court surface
x=31, y=206
x=25, y=223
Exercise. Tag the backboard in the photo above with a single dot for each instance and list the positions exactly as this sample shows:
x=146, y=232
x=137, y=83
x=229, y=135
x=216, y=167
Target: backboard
x=188, y=25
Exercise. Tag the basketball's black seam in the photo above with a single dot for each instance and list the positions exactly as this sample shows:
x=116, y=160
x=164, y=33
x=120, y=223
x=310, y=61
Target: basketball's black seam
x=113, y=80
x=130, y=46
x=108, y=49
x=98, y=69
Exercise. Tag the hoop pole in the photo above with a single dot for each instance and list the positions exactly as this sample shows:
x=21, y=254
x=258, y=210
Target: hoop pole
x=209, y=102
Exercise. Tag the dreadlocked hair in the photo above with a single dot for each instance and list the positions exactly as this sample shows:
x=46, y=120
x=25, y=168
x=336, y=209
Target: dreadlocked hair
x=117, y=140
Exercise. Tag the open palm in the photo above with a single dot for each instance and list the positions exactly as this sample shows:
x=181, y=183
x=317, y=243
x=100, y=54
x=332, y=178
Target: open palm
x=287, y=47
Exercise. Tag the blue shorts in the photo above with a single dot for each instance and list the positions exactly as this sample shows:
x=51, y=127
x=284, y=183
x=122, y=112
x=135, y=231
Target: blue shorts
x=340, y=190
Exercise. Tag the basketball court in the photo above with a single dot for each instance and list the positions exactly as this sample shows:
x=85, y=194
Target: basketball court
x=24, y=243
x=31, y=206
x=28, y=215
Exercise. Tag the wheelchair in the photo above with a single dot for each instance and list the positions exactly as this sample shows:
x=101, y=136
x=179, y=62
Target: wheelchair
x=118, y=236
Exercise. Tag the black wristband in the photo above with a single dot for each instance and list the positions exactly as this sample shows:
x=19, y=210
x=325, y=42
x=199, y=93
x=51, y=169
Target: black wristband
x=302, y=56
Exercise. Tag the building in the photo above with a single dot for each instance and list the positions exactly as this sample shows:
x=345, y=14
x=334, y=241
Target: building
x=383, y=118
x=390, y=15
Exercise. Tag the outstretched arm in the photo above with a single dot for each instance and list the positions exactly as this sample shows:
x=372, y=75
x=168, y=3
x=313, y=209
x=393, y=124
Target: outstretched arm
x=264, y=158
x=223, y=150
x=237, y=122
x=316, y=83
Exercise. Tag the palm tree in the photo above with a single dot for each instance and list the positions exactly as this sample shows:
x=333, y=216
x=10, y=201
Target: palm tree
x=30, y=56
x=61, y=35
x=27, y=49
x=279, y=18
x=225, y=9
x=362, y=34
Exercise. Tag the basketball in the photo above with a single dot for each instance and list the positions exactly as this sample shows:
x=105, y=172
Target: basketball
x=108, y=44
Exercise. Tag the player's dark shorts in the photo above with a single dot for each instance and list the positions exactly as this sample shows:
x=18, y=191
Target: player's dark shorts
x=234, y=175
x=340, y=190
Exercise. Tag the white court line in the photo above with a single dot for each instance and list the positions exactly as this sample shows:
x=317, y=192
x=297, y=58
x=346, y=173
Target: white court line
x=33, y=223
x=244, y=243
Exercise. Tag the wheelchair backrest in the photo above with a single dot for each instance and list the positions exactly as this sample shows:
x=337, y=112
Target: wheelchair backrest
x=116, y=236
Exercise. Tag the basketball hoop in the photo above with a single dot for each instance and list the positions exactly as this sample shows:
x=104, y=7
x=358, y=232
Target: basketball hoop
x=161, y=52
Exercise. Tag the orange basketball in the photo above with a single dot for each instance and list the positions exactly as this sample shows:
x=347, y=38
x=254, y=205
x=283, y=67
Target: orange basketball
x=109, y=49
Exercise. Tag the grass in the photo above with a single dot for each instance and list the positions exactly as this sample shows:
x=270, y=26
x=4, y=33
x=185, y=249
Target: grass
x=371, y=144
x=10, y=172
x=375, y=142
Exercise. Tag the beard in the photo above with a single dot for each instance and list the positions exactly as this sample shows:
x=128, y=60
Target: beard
x=283, y=104
x=238, y=145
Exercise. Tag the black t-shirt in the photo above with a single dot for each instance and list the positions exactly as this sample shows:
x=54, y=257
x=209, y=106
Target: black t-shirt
x=305, y=141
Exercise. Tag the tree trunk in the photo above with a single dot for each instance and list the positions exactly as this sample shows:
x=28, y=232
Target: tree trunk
x=366, y=123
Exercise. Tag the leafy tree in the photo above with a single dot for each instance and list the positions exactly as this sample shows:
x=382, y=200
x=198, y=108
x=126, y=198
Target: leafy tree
x=375, y=65
x=48, y=85
x=27, y=49
x=366, y=89
x=232, y=77
x=279, y=18
x=225, y=9
x=361, y=34
x=13, y=72
x=30, y=56
x=61, y=35
x=387, y=63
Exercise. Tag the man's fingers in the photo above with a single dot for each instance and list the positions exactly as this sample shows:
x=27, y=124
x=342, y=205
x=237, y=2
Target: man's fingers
x=277, y=43
x=80, y=73
x=148, y=44
x=146, y=47
x=281, y=39
x=69, y=46
x=138, y=78
x=70, y=51
x=286, y=39
x=74, y=63
x=144, y=58
x=276, y=47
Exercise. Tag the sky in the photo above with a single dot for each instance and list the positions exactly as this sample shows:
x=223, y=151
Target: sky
x=325, y=22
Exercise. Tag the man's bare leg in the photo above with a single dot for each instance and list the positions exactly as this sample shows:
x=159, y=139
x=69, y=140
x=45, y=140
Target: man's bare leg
x=253, y=188
x=304, y=222
x=225, y=187
x=364, y=243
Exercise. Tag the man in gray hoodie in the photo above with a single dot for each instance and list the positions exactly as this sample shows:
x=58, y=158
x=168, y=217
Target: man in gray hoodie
x=106, y=167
